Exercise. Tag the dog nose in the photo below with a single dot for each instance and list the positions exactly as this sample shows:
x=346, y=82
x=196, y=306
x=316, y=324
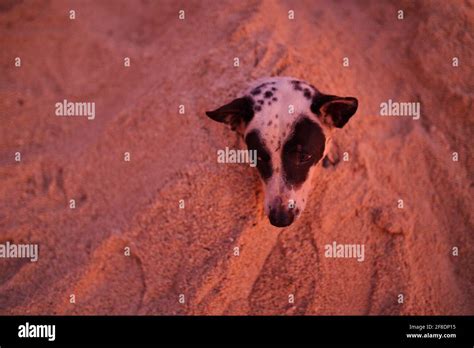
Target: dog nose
x=280, y=215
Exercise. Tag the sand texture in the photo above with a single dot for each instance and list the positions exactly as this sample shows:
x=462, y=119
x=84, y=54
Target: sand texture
x=191, y=251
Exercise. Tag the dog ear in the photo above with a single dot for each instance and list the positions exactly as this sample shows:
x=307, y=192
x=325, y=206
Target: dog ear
x=235, y=113
x=334, y=111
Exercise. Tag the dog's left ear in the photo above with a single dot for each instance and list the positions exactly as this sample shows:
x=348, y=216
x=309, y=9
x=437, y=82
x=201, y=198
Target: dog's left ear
x=334, y=111
x=235, y=113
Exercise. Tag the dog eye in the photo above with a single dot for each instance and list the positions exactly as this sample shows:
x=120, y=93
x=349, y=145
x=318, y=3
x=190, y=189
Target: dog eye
x=303, y=157
x=263, y=158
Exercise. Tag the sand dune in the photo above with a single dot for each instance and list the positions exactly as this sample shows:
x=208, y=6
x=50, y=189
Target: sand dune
x=190, y=251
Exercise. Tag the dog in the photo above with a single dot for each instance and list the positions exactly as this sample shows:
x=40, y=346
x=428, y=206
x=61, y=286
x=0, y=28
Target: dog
x=289, y=123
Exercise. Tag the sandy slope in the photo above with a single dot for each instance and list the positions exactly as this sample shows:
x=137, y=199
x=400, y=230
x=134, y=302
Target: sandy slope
x=190, y=251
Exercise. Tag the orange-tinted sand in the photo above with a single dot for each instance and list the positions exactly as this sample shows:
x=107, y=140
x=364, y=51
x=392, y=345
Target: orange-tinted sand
x=190, y=251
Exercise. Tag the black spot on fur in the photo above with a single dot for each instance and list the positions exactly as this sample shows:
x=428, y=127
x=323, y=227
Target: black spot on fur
x=269, y=123
x=264, y=160
x=278, y=145
x=269, y=103
x=257, y=108
x=275, y=99
x=261, y=102
x=296, y=85
x=261, y=85
x=274, y=89
x=304, y=148
x=268, y=94
x=255, y=91
x=276, y=116
x=307, y=93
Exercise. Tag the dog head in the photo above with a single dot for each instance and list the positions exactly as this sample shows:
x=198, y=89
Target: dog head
x=289, y=123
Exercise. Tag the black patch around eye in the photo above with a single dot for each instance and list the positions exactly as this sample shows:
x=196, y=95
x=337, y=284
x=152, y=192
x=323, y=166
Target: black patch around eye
x=306, y=138
x=264, y=162
x=268, y=94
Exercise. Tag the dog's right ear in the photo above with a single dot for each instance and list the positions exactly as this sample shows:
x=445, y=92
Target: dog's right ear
x=237, y=112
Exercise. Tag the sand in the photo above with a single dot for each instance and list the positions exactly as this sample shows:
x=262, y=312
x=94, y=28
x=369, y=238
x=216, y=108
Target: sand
x=184, y=261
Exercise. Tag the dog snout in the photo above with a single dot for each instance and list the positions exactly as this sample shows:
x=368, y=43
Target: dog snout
x=281, y=215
